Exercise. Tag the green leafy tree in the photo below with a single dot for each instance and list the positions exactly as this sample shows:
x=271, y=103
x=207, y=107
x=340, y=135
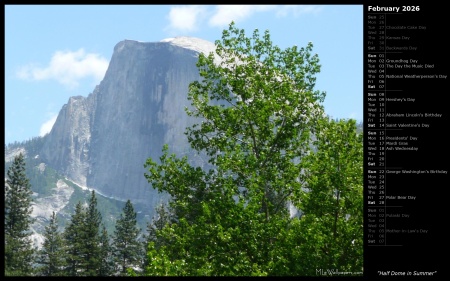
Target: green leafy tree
x=51, y=256
x=126, y=245
x=258, y=111
x=333, y=206
x=74, y=242
x=162, y=218
x=19, y=250
x=267, y=109
x=107, y=262
x=269, y=144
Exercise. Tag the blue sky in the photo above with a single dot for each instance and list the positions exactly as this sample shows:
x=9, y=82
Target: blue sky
x=53, y=52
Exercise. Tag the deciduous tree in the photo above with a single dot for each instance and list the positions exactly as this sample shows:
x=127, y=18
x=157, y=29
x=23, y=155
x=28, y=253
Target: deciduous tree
x=263, y=127
x=332, y=206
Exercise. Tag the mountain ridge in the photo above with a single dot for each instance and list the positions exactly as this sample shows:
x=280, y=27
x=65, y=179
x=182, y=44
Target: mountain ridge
x=101, y=141
x=136, y=109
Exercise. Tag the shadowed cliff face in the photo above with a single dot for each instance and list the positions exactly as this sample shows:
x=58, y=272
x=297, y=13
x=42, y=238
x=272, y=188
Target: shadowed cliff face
x=103, y=141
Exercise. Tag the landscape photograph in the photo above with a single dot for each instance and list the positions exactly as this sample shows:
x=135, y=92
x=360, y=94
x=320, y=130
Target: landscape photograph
x=183, y=140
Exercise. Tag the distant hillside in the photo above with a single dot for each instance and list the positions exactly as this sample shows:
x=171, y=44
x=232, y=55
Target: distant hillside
x=54, y=192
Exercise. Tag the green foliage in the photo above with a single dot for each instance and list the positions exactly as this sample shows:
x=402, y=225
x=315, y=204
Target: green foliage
x=92, y=258
x=269, y=143
x=109, y=207
x=18, y=245
x=74, y=242
x=126, y=246
x=333, y=205
x=107, y=263
x=32, y=146
x=266, y=112
x=83, y=240
x=162, y=218
x=41, y=181
x=51, y=255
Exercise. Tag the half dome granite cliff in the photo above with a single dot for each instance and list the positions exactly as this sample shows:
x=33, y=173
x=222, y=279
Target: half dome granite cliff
x=103, y=140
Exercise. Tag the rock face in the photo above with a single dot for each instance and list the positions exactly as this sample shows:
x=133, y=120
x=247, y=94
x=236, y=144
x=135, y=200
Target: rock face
x=102, y=141
x=67, y=148
x=44, y=207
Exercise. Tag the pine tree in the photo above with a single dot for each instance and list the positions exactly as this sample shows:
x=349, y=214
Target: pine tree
x=73, y=239
x=51, y=256
x=162, y=218
x=107, y=263
x=126, y=246
x=82, y=236
x=19, y=249
x=91, y=241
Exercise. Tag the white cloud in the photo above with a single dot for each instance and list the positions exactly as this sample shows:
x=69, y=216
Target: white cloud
x=67, y=68
x=189, y=18
x=47, y=126
x=224, y=14
x=297, y=10
x=186, y=18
